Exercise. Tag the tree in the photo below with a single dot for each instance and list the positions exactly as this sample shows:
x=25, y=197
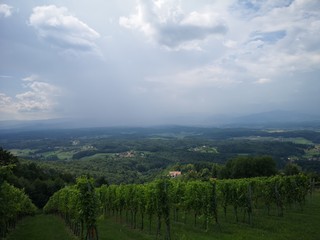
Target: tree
x=246, y=167
x=7, y=163
x=292, y=169
x=6, y=158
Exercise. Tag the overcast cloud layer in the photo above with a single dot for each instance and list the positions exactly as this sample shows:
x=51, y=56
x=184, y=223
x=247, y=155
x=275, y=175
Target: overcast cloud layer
x=155, y=62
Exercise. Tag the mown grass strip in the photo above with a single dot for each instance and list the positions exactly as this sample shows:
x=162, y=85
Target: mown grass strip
x=41, y=227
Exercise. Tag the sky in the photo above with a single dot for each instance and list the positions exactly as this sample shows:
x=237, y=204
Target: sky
x=127, y=62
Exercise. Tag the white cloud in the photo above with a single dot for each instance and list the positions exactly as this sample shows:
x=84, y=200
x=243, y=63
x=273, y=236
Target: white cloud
x=191, y=90
x=230, y=44
x=6, y=104
x=30, y=78
x=279, y=38
x=58, y=27
x=168, y=25
x=274, y=45
x=263, y=81
x=251, y=51
x=5, y=10
x=202, y=77
x=5, y=76
x=38, y=99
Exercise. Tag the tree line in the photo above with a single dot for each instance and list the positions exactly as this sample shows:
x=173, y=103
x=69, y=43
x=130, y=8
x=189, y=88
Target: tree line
x=39, y=183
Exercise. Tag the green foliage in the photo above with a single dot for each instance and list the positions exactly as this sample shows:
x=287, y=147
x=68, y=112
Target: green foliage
x=295, y=224
x=292, y=169
x=6, y=158
x=88, y=205
x=82, y=154
x=7, y=163
x=78, y=205
x=39, y=182
x=14, y=204
x=246, y=167
x=100, y=152
x=164, y=199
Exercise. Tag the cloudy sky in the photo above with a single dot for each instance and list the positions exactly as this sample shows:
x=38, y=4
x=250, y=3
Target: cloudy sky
x=153, y=62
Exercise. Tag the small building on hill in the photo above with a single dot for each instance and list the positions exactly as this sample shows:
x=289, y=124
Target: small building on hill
x=174, y=174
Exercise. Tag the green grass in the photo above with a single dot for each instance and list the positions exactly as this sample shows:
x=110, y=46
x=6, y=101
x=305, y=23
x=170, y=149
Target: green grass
x=109, y=229
x=61, y=154
x=65, y=155
x=296, y=140
x=41, y=227
x=96, y=156
x=299, y=140
x=313, y=152
x=21, y=152
x=205, y=149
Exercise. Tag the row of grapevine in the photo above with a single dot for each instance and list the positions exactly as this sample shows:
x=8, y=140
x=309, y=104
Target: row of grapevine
x=159, y=200
x=78, y=206
x=14, y=204
x=165, y=199
x=149, y=200
x=170, y=200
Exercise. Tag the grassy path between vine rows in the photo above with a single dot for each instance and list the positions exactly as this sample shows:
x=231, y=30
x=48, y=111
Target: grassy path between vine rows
x=41, y=227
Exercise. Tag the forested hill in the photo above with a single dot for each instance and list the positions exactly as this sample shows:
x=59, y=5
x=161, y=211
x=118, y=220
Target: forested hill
x=125, y=155
x=38, y=183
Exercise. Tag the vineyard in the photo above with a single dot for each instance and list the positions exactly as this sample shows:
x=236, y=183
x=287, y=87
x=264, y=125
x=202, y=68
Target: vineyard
x=14, y=204
x=167, y=202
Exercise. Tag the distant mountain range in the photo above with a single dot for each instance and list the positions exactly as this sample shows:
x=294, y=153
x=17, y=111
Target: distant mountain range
x=278, y=116
x=35, y=124
x=274, y=119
